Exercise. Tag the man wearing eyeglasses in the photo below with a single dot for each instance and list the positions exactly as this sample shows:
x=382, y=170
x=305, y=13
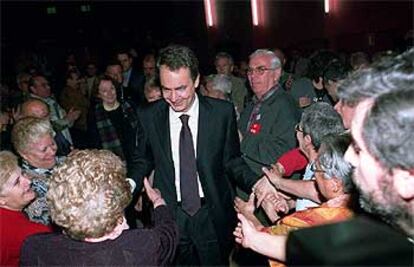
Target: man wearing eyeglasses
x=267, y=124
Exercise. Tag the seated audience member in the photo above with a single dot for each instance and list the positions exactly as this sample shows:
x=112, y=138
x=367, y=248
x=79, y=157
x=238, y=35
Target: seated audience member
x=15, y=194
x=381, y=152
x=113, y=123
x=74, y=96
x=318, y=120
x=220, y=87
x=334, y=184
x=87, y=196
x=308, y=90
x=152, y=89
x=37, y=108
x=224, y=65
x=33, y=140
x=40, y=88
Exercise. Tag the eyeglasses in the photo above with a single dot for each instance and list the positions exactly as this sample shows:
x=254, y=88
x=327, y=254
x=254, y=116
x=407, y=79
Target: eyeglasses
x=298, y=129
x=259, y=70
x=314, y=168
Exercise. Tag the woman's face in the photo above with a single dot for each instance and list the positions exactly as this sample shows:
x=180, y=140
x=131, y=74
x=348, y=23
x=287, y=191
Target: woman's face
x=41, y=153
x=107, y=92
x=16, y=192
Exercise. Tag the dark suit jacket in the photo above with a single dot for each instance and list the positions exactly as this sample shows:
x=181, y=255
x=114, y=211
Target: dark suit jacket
x=135, y=88
x=138, y=247
x=218, y=159
x=360, y=241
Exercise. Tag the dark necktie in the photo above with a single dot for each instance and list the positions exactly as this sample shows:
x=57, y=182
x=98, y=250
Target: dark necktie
x=190, y=198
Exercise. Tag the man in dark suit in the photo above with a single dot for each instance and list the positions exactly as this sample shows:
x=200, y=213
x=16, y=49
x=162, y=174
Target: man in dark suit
x=203, y=203
x=133, y=81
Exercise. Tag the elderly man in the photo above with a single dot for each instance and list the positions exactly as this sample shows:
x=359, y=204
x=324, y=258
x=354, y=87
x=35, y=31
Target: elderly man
x=268, y=123
x=382, y=129
x=224, y=65
x=190, y=142
x=40, y=88
x=15, y=195
x=37, y=108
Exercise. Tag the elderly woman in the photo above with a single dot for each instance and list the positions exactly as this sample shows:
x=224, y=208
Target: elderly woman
x=87, y=196
x=33, y=140
x=15, y=194
x=333, y=180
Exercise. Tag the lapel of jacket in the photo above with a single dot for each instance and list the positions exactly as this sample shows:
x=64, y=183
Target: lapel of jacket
x=203, y=130
x=162, y=127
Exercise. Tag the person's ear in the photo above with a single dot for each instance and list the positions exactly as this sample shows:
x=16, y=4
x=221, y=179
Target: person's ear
x=335, y=185
x=404, y=183
x=197, y=81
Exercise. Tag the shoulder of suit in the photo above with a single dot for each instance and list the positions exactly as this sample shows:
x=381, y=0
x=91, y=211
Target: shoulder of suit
x=215, y=103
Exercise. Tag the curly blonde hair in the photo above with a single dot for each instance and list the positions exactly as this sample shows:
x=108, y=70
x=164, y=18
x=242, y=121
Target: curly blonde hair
x=88, y=193
x=28, y=130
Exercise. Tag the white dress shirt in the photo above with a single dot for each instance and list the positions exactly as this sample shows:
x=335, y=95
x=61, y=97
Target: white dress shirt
x=175, y=129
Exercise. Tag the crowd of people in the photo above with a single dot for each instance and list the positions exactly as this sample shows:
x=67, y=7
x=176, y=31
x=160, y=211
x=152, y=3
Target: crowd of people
x=161, y=165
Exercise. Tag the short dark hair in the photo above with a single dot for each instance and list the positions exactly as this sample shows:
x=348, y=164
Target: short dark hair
x=321, y=119
x=318, y=62
x=335, y=70
x=178, y=56
x=388, y=129
x=388, y=74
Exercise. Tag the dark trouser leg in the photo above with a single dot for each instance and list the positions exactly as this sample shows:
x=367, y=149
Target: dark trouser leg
x=198, y=243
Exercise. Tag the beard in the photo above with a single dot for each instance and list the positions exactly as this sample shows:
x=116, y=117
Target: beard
x=385, y=203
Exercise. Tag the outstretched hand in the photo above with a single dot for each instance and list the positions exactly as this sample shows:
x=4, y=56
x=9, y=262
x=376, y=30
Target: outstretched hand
x=153, y=194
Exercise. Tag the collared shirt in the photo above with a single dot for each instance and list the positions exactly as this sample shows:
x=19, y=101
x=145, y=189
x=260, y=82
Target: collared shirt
x=303, y=203
x=175, y=129
x=255, y=115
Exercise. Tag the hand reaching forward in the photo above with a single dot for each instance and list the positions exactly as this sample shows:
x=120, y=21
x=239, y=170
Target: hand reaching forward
x=153, y=194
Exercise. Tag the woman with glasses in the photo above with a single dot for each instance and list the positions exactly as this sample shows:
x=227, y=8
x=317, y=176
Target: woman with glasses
x=332, y=175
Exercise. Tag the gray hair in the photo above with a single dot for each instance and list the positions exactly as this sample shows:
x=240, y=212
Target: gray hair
x=222, y=83
x=28, y=131
x=331, y=159
x=9, y=164
x=321, y=119
x=274, y=60
x=388, y=130
x=386, y=75
x=224, y=55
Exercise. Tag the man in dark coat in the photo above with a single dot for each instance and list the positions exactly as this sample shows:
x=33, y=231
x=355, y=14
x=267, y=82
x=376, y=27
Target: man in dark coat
x=206, y=230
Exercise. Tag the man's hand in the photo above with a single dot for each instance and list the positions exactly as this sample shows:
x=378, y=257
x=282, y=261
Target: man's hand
x=153, y=194
x=245, y=208
x=261, y=188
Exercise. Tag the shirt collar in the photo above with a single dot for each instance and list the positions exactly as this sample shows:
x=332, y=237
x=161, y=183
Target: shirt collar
x=267, y=95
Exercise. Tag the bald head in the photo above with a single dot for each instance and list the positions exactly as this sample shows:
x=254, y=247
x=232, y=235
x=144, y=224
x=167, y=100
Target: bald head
x=35, y=108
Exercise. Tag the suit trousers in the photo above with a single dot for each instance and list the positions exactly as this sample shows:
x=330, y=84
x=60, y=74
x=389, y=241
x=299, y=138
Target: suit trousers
x=198, y=244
